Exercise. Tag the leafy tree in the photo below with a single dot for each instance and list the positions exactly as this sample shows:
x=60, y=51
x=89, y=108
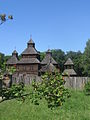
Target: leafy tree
x=6, y=57
x=15, y=91
x=86, y=59
x=59, y=56
x=42, y=55
x=87, y=88
x=71, y=54
x=1, y=59
x=51, y=88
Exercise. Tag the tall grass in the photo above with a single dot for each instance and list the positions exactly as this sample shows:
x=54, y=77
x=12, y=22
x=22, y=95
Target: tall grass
x=77, y=107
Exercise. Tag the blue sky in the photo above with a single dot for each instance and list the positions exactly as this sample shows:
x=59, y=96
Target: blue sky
x=54, y=24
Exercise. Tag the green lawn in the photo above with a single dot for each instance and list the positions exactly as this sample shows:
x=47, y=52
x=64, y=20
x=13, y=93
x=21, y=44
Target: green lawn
x=75, y=108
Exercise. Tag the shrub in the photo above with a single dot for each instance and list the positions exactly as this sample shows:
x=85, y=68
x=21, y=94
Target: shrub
x=87, y=88
x=15, y=91
x=51, y=88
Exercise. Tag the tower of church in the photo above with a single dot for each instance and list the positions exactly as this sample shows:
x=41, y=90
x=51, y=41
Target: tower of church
x=48, y=64
x=29, y=62
x=69, y=68
x=12, y=61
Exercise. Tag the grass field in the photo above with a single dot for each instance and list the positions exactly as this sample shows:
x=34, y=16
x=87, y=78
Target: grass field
x=77, y=107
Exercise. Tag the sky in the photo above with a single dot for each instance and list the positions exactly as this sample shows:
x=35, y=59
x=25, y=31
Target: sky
x=53, y=24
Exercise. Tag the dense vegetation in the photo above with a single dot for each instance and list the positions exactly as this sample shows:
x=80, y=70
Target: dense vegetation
x=77, y=107
x=87, y=88
x=51, y=88
x=15, y=91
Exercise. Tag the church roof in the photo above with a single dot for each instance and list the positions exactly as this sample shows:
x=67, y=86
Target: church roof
x=14, y=58
x=12, y=61
x=28, y=61
x=15, y=52
x=69, y=62
x=69, y=72
x=30, y=51
x=49, y=67
x=48, y=51
x=48, y=58
x=31, y=41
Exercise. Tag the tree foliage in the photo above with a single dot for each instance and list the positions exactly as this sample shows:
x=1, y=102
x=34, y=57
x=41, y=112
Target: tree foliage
x=51, y=88
x=86, y=59
x=87, y=88
x=59, y=56
x=15, y=91
x=42, y=55
x=1, y=59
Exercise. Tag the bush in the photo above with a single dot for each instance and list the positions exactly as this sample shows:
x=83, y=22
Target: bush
x=15, y=91
x=51, y=88
x=87, y=88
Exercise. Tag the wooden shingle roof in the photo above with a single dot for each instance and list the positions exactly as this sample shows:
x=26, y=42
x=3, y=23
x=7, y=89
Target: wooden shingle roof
x=48, y=58
x=30, y=54
x=69, y=72
x=48, y=68
x=14, y=58
x=15, y=52
x=28, y=61
x=31, y=41
x=30, y=51
x=69, y=62
x=12, y=61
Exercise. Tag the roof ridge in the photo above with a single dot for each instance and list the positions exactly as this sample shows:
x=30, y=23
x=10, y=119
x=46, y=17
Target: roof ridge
x=69, y=62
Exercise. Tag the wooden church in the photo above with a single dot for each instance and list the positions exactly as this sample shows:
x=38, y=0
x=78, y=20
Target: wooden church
x=29, y=66
x=30, y=60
